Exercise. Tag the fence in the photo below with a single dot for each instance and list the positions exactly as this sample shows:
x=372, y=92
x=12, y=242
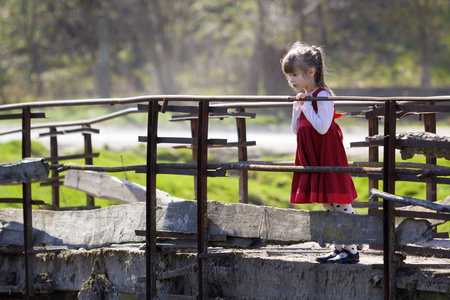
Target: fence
x=389, y=171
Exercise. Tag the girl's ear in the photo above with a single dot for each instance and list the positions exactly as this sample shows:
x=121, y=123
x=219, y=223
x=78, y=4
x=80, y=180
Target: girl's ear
x=311, y=72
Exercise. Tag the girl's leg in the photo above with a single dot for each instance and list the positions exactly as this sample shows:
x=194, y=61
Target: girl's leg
x=337, y=248
x=350, y=254
x=347, y=209
x=332, y=207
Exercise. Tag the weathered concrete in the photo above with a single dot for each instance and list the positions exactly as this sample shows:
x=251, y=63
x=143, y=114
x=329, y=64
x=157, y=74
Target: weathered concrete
x=102, y=185
x=408, y=152
x=271, y=224
x=117, y=224
x=87, y=229
x=24, y=171
x=266, y=273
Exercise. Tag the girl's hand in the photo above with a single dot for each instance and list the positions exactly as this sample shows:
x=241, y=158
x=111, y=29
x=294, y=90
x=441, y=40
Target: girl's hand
x=300, y=96
x=303, y=95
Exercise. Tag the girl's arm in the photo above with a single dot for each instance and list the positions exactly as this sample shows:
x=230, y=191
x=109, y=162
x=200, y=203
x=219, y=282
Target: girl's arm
x=296, y=111
x=321, y=121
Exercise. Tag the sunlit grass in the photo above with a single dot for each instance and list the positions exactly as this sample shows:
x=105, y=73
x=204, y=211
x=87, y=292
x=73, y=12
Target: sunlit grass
x=265, y=188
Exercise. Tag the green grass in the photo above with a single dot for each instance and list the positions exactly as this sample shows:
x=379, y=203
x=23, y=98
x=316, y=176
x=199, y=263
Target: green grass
x=265, y=188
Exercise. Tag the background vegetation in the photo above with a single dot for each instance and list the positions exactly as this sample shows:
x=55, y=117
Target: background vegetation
x=112, y=48
x=265, y=188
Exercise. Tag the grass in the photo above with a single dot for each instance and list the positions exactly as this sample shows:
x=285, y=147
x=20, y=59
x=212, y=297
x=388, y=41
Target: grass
x=265, y=188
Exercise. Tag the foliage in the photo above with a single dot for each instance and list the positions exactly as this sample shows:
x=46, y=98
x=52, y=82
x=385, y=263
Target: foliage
x=65, y=49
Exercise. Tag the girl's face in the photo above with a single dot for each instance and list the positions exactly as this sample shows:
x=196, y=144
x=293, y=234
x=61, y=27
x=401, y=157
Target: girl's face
x=299, y=81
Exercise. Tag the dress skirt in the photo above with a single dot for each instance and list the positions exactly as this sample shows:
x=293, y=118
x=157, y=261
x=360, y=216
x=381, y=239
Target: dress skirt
x=314, y=149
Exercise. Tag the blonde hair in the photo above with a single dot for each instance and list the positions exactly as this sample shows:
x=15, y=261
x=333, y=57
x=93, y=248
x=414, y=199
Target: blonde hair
x=301, y=58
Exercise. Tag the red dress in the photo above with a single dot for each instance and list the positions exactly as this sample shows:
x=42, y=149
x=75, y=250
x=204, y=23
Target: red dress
x=314, y=149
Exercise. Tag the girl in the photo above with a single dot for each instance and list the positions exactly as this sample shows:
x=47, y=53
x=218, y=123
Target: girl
x=319, y=142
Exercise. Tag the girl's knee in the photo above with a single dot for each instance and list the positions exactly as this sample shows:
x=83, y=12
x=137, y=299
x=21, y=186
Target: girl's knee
x=345, y=208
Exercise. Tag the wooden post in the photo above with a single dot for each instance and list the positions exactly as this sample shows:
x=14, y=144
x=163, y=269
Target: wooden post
x=55, y=173
x=373, y=156
x=202, y=164
x=242, y=156
x=194, y=134
x=430, y=126
x=90, y=201
x=150, y=234
x=388, y=207
x=27, y=213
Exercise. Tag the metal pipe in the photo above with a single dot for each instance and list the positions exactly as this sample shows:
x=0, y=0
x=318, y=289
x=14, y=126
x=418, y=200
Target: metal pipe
x=27, y=213
x=444, y=171
x=191, y=98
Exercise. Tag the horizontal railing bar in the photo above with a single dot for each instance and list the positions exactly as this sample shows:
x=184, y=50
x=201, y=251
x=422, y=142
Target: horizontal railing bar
x=410, y=201
x=245, y=98
x=19, y=116
x=79, y=122
x=424, y=108
x=71, y=166
x=359, y=164
x=135, y=110
x=416, y=214
x=73, y=156
x=62, y=132
x=222, y=167
x=20, y=200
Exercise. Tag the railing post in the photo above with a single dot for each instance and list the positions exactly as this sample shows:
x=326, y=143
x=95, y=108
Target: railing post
x=90, y=200
x=242, y=156
x=194, y=134
x=150, y=234
x=388, y=206
x=27, y=212
x=373, y=155
x=202, y=164
x=55, y=173
x=430, y=126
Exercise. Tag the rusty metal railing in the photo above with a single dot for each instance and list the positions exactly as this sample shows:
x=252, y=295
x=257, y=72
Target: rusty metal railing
x=380, y=107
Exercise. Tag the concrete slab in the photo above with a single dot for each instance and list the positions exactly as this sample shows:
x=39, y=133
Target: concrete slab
x=105, y=186
x=271, y=224
x=266, y=273
x=261, y=224
x=24, y=171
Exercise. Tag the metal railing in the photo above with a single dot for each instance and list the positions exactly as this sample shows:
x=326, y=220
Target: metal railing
x=388, y=108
